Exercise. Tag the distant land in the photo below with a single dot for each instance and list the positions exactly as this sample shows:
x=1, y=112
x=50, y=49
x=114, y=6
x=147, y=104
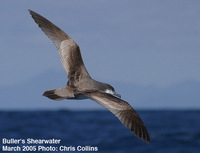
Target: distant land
x=28, y=95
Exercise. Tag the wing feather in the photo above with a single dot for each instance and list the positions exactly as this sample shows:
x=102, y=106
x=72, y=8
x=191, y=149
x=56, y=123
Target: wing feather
x=123, y=111
x=69, y=51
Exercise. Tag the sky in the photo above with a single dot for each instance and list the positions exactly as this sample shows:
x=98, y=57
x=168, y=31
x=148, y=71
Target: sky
x=134, y=42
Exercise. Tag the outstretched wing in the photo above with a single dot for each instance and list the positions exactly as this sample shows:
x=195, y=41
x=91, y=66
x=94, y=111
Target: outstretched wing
x=68, y=50
x=123, y=111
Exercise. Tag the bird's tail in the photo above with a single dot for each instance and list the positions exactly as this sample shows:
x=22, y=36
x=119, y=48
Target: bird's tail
x=52, y=95
x=60, y=94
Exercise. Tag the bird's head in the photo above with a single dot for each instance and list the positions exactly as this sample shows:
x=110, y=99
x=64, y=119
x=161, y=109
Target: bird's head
x=110, y=90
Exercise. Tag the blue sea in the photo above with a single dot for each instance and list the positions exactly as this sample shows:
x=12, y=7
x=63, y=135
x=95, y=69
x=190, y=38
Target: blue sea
x=99, y=131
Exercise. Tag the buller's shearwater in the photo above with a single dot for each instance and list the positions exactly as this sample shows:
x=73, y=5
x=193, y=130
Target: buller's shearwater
x=80, y=85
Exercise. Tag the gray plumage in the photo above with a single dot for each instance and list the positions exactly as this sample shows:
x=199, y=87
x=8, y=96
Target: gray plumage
x=80, y=85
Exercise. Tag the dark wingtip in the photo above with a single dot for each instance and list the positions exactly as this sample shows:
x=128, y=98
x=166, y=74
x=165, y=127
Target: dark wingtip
x=33, y=13
x=144, y=135
x=147, y=139
x=30, y=11
x=140, y=130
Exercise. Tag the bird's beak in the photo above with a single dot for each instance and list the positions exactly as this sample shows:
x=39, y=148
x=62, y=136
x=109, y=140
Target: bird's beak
x=111, y=92
x=116, y=94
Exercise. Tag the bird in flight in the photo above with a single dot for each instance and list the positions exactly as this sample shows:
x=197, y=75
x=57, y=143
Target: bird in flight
x=80, y=84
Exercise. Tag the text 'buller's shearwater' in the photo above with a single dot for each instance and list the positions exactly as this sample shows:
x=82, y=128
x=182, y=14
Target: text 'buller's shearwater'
x=80, y=85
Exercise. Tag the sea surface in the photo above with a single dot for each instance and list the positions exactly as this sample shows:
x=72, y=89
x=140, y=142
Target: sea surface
x=99, y=131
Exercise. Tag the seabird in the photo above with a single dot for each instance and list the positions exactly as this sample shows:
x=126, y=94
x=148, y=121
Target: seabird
x=80, y=85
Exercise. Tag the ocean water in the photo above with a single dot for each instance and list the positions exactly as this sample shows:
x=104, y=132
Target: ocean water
x=99, y=131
